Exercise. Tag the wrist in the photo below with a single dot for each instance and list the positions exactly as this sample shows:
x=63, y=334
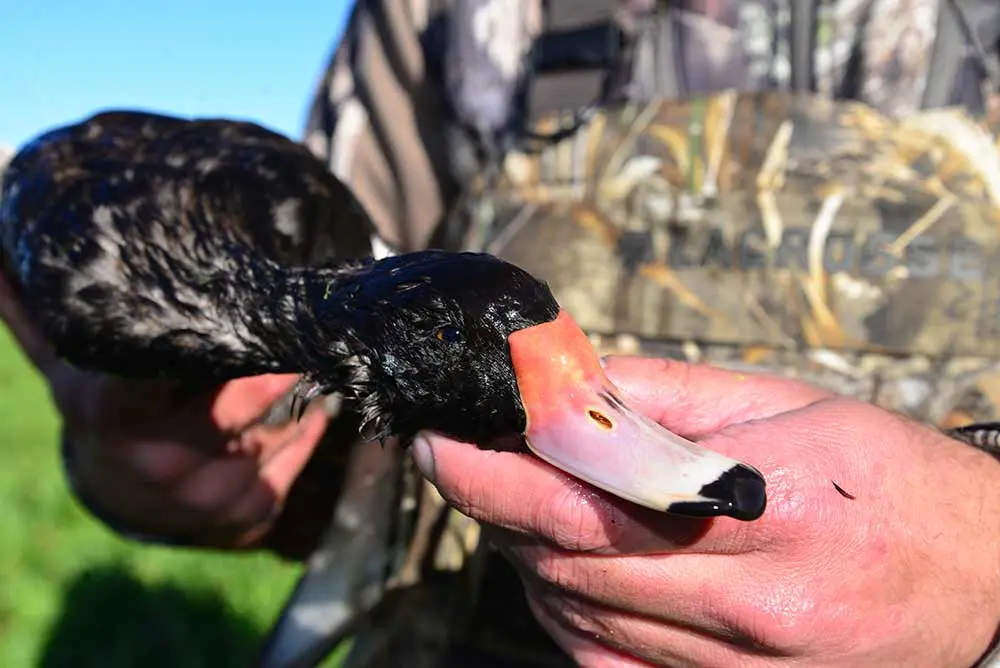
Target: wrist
x=965, y=521
x=988, y=473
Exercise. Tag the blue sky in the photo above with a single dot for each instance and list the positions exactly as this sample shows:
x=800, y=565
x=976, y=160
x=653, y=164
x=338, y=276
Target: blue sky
x=253, y=59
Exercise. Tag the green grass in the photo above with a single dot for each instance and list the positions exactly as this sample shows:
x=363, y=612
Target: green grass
x=73, y=594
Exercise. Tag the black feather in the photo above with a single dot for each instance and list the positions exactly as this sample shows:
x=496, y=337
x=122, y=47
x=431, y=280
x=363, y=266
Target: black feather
x=153, y=246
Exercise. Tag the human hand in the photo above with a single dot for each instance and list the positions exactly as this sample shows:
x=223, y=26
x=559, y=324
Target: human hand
x=898, y=568
x=154, y=458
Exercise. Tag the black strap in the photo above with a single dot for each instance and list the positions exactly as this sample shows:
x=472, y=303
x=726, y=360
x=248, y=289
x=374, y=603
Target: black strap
x=584, y=60
x=803, y=45
x=570, y=68
x=580, y=44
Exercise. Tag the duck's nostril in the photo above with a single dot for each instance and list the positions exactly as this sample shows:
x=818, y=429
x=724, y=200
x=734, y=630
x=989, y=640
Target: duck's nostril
x=600, y=419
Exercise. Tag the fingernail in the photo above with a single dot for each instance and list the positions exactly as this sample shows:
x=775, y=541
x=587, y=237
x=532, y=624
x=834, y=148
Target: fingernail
x=423, y=455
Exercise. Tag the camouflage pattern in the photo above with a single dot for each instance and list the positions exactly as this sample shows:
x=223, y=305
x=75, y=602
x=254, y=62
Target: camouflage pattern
x=747, y=45
x=899, y=38
x=771, y=232
x=845, y=243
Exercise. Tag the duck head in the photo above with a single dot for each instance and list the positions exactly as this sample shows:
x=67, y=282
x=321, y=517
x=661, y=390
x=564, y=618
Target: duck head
x=479, y=350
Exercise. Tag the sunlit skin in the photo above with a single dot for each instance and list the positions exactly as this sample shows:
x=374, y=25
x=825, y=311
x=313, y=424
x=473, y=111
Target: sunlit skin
x=906, y=573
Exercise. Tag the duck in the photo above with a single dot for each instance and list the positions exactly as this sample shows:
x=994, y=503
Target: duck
x=154, y=246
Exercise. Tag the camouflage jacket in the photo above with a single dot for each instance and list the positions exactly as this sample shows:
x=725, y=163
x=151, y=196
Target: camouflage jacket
x=851, y=243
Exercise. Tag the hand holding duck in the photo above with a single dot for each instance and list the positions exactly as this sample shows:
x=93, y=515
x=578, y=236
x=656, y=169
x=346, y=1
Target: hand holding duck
x=896, y=567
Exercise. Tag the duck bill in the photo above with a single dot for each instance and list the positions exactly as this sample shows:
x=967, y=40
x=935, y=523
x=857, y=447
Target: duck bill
x=579, y=422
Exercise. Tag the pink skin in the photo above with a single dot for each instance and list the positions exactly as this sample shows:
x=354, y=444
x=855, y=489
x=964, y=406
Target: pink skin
x=904, y=574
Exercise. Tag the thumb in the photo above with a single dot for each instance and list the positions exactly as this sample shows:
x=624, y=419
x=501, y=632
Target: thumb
x=696, y=399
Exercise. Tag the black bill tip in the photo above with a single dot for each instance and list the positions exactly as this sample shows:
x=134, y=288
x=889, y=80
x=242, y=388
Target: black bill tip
x=739, y=493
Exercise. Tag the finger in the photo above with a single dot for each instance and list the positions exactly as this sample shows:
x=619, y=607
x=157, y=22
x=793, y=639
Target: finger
x=264, y=440
x=713, y=596
x=129, y=500
x=216, y=484
x=524, y=494
x=255, y=512
x=162, y=463
x=240, y=402
x=225, y=502
x=281, y=465
x=124, y=412
x=597, y=636
x=222, y=410
x=585, y=651
x=693, y=399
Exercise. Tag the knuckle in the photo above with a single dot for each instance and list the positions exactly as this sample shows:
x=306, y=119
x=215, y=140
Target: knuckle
x=791, y=513
x=561, y=572
x=463, y=490
x=788, y=619
x=573, y=522
x=584, y=618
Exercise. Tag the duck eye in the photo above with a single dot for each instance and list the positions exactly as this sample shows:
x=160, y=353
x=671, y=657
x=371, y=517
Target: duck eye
x=448, y=334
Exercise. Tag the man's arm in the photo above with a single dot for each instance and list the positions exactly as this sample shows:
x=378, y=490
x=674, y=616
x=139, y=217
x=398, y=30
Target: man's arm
x=378, y=118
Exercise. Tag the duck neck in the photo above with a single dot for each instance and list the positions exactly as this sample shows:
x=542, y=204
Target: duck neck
x=282, y=323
